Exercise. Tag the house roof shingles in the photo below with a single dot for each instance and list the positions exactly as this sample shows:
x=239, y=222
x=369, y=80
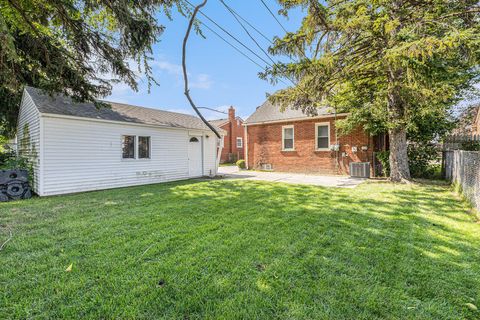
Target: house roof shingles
x=268, y=112
x=218, y=122
x=62, y=105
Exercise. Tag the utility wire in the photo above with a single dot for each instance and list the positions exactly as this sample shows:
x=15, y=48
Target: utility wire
x=250, y=25
x=211, y=109
x=236, y=49
x=232, y=36
x=253, y=39
x=281, y=25
x=274, y=16
x=248, y=33
x=231, y=45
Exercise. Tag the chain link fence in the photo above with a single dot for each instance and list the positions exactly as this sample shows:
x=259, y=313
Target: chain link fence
x=463, y=169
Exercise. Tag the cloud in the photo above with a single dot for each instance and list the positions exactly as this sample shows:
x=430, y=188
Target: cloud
x=197, y=81
x=171, y=68
x=201, y=81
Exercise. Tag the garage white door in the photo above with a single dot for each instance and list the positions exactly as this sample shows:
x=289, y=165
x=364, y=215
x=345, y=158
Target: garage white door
x=195, y=156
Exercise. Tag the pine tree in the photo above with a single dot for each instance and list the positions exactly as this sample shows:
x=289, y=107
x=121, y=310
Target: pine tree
x=388, y=63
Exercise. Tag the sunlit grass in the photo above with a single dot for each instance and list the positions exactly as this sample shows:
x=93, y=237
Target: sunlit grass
x=242, y=250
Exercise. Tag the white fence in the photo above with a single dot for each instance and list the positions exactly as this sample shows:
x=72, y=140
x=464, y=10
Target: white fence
x=463, y=169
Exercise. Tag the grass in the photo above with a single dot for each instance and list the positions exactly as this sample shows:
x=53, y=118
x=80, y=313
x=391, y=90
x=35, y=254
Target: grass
x=242, y=250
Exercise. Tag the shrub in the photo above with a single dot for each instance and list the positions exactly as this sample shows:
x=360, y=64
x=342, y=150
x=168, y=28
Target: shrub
x=6, y=157
x=9, y=161
x=471, y=145
x=382, y=157
x=421, y=160
x=241, y=164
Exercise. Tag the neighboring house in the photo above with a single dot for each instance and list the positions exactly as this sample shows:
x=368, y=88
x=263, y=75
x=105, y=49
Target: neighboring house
x=468, y=122
x=293, y=142
x=234, y=140
x=77, y=147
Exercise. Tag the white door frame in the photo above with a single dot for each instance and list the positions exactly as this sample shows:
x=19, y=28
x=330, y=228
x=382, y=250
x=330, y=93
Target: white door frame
x=200, y=141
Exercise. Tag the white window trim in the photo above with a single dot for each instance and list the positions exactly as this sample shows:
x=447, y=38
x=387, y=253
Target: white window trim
x=283, y=137
x=319, y=124
x=137, y=153
x=135, y=144
x=240, y=139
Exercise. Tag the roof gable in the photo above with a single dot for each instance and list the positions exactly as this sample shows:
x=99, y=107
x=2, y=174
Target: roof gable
x=61, y=105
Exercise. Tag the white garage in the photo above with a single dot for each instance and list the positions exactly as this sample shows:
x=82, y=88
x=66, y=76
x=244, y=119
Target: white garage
x=76, y=147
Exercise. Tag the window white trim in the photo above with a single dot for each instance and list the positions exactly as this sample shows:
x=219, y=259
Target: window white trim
x=239, y=145
x=321, y=124
x=283, y=138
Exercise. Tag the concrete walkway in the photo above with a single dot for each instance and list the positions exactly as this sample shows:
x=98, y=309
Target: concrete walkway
x=232, y=172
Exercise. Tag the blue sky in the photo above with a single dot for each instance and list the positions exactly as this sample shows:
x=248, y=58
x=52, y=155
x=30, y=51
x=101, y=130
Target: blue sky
x=219, y=76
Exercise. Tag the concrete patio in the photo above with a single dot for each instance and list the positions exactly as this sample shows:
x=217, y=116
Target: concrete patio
x=232, y=172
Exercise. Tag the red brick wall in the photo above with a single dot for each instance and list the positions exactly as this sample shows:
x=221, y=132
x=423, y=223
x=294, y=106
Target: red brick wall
x=234, y=128
x=265, y=146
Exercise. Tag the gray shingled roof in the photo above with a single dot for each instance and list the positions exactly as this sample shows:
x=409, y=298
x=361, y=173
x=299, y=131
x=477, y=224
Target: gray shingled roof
x=218, y=122
x=268, y=112
x=62, y=105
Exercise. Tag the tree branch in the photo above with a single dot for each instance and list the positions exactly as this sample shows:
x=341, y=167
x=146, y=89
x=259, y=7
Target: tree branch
x=184, y=67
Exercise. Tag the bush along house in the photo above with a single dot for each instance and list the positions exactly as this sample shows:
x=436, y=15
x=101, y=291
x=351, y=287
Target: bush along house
x=291, y=141
x=233, y=142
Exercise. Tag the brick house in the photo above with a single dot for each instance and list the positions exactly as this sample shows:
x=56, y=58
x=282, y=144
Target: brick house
x=233, y=143
x=290, y=141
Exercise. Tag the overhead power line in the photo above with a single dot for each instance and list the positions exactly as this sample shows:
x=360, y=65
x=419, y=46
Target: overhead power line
x=232, y=36
x=250, y=25
x=274, y=16
x=231, y=45
x=248, y=33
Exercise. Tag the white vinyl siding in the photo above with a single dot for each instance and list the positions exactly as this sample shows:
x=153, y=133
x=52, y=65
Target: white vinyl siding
x=288, y=138
x=29, y=116
x=82, y=155
x=322, y=136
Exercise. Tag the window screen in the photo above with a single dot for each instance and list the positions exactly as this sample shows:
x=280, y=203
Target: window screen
x=288, y=138
x=143, y=147
x=322, y=137
x=128, y=147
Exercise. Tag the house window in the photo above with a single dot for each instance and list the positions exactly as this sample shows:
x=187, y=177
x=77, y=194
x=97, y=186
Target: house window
x=288, y=138
x=128, y=147
x=322, y=136
x=239, y=142
x=143, y=147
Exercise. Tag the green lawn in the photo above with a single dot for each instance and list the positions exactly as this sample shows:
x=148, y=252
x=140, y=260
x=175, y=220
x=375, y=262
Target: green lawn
x=242, y=250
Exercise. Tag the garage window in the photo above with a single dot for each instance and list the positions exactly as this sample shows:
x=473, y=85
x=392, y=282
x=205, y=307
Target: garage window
x=128, y=147
x=144, y=147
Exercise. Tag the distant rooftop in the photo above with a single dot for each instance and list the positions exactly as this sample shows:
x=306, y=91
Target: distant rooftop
x=268, y=112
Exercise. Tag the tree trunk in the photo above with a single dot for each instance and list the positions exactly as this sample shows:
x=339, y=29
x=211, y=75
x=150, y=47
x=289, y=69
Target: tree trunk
x=399, y=169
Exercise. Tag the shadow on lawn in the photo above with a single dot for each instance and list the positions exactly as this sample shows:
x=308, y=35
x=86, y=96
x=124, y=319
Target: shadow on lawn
x=266, y=250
